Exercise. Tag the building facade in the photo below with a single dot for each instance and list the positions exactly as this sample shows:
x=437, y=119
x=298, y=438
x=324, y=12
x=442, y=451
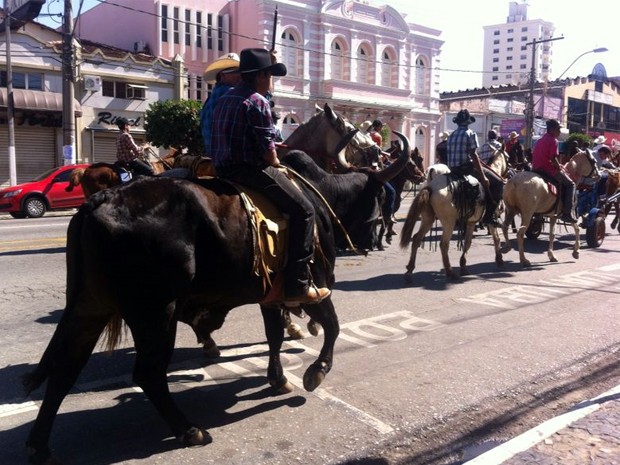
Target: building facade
x=507, y=57
x=366, y=61
x=109, y=83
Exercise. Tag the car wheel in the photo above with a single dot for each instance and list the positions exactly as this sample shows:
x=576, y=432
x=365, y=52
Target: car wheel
x=18, y=215
x=595, y=234
x=535, y=227
x=35, y=207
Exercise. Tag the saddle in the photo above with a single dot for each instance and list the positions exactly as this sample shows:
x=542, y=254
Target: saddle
x=466, y=192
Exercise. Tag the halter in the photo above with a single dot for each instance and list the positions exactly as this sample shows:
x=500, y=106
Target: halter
x=594, y=171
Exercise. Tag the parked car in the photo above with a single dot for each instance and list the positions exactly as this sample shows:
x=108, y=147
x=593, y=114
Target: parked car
x=45, y=192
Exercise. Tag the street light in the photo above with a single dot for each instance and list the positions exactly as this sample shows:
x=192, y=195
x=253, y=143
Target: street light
x=596, y=50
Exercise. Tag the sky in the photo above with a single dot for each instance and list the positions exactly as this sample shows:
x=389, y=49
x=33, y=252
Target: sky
x=584, y=28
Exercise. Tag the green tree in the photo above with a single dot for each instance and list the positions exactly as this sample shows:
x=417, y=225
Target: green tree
x=175, y=123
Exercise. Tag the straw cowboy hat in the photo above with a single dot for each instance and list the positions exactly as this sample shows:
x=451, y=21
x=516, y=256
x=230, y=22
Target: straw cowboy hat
x=513, y=135
x=444, y=135
x=463, y=117
x=223, y=63
x=365, y=125
x=599, y=140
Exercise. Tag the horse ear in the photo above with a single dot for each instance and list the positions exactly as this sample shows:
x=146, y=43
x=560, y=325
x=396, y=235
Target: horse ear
x=317, y=108
x=330, y=113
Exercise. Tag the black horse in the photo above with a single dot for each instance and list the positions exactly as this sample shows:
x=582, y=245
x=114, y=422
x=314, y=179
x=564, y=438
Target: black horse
x=196, y=240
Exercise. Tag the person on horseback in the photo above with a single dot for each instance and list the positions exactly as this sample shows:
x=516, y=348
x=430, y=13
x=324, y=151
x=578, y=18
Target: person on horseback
x=390, y=192
x=128, y=153
x=463, y=159
x=488, y=149
x=545, y=159
x=441, y=149
x=224, y=81
x=514, y=149
x=243, y=151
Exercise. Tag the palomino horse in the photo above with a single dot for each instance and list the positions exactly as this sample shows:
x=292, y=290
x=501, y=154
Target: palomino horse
x=527, y=193
x=436, y=201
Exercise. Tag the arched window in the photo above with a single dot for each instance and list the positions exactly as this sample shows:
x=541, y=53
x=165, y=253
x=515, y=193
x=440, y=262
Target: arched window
x=289, y=124
x=420, y=141
x=291, y=53
x=337, y=60
x=388, y=68
x=421, y=73
x=363, y=65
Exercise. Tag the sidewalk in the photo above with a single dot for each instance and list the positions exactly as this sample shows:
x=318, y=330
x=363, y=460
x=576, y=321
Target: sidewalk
x=589, y=434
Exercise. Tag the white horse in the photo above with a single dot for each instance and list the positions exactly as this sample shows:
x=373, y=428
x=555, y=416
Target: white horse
x=436, y=201
x=527, y=193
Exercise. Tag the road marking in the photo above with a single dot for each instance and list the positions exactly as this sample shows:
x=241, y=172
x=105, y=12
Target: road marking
x=7, y=410
x=530, y=438
x=28, y=244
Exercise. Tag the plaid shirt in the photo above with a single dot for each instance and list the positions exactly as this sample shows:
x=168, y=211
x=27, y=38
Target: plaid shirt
x=460, y=144
x=243, y=130
x=488, y=150
x=126, y=148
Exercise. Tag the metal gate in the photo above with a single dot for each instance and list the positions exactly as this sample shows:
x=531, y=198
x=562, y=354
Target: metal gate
x=104, y=149
x=35, y=153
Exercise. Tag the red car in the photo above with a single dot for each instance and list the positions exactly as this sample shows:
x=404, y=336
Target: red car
x=45, y=192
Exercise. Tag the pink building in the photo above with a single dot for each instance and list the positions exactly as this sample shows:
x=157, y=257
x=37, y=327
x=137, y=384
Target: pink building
x=366, y=61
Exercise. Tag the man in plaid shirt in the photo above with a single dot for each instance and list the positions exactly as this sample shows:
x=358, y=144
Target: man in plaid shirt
x=463, y=159
x=243, y=150
x=127, y=152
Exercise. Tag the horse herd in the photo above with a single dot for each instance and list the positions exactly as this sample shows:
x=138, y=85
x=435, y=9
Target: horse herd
x=220, y=258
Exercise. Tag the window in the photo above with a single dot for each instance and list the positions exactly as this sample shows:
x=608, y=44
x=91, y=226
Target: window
x=164, y=23
x=523, y=47
x=494, y=78
x=363, y=64
x=524, y=39
x=337, y=59
x=188, y=23
x=421, y=73
x=509, y=76
x=210, y=31
x=32, y=81
x=496, y=42
x=124, y=90
x=524, y=29
x=495, y=69
x=220, y=33
x=523, y=66
x=496, y=50
x=510, y=31
x=495, y=60
x=509, y=67
x=199, y=29
x=495, y=33
x=523, y=57
x=509, y=58
x=509, y=49
x=199, y=88
x=175, y=25
x=291, y=53
x=510, y=39
x=388, y=68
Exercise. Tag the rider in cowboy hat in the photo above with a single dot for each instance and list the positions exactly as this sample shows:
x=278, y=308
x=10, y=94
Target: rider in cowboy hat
x=243, y=150
x=224, y=81
x=463, y=159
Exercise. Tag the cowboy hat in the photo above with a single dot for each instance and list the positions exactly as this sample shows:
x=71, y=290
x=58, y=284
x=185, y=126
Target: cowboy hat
x=463, y=117
x=599, y=140
x=513, y=135
x=225, y=62
x=444, y=135
x=365, y=125
x=259, y=59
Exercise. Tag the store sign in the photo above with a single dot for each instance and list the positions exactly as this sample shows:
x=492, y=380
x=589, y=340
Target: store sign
x=108, y=118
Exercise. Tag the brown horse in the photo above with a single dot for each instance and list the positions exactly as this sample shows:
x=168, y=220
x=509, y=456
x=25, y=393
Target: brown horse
x=527, y=193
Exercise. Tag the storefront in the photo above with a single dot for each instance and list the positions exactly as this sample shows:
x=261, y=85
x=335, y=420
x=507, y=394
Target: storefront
x=38, y=134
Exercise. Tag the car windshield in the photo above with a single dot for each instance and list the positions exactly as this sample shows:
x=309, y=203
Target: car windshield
x=44, y=175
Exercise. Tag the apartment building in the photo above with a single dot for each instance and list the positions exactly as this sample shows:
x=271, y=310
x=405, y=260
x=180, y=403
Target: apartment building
x=508, y=49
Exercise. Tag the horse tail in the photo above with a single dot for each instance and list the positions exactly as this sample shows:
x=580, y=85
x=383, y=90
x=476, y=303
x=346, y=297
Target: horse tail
x=419, y=203
x=75, y=178
x=34, y=379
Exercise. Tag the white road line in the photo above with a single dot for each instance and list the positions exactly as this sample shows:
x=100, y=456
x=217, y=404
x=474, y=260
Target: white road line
x=523, y=442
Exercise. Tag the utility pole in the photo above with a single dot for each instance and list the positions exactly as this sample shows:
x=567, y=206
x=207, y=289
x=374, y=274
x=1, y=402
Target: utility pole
x=529, y=112
x=68, y=87
x=10, y=102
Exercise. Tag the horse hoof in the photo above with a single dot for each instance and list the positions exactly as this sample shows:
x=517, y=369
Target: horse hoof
x=314, y=376
x=553, y=260
x=211, y=350
x=294, y=330
x=499, y=261
x=505, y=250
x=42, y=457
x=526, y=263
x=282, y=386
x=408, y=277
x=195, y=437
x=575, y=255
x=313, y=328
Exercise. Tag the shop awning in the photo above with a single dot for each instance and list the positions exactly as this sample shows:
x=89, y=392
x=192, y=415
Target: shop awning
x=25, y=99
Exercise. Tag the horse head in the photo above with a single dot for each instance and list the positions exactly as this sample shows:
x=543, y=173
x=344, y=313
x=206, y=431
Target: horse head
x=582, y=165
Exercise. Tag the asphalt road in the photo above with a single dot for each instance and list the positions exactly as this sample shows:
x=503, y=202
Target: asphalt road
x=425, y=373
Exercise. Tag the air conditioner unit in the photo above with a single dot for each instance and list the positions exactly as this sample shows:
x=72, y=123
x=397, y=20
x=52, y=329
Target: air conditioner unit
x=92, y=83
